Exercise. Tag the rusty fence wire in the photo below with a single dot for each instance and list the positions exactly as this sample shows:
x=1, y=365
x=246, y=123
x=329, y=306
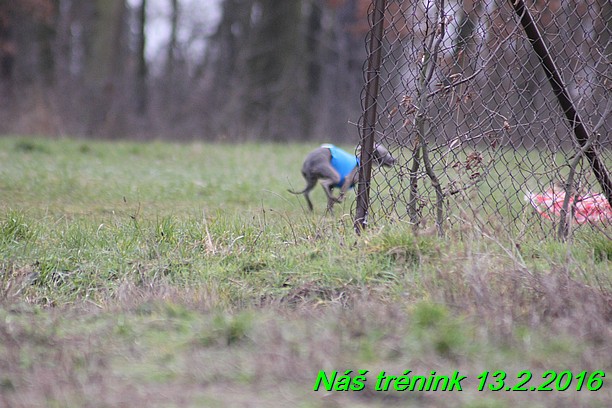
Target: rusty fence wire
x=499, y=113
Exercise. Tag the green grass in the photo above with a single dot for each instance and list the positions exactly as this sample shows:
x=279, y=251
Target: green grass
x=173, y=275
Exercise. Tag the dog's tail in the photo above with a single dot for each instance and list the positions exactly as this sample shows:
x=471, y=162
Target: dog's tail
x=305, y=192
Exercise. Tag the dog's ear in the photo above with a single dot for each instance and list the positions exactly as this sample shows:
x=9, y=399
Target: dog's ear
x=375, y=151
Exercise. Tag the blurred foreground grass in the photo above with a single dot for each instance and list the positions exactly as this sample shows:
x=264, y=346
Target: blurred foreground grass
x=184, y=275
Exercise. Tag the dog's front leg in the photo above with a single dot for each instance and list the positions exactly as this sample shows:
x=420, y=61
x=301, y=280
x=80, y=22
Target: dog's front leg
x=327, y=185
x=349, y=181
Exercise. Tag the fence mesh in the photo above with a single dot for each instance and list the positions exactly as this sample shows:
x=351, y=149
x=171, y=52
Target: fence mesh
x=466, y=107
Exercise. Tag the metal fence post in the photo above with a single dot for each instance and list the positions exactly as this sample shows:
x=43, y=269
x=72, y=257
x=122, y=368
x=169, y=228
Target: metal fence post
x=370, y=116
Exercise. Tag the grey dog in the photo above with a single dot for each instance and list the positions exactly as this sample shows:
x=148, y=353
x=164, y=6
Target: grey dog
x=336, y=168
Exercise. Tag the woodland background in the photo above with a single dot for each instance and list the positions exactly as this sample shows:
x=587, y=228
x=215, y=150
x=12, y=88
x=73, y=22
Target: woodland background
x=254, y=69
x=182, y=69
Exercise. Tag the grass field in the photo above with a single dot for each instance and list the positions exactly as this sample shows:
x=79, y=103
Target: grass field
x=184, y=275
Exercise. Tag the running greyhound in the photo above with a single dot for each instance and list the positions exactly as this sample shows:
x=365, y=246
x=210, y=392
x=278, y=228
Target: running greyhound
x=336, y=168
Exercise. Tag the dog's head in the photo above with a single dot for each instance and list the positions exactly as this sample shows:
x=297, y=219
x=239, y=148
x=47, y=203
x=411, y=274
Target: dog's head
x=382, y=157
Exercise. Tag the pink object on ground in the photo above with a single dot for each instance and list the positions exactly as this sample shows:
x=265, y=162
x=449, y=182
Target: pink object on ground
x=587, y=208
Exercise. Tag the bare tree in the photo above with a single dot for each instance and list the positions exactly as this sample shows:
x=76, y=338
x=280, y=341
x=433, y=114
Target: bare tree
x=104, y=66
x=142, y=69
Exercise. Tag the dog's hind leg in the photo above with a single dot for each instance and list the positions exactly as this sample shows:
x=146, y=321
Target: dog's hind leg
x=311, y=182
x=330, y=178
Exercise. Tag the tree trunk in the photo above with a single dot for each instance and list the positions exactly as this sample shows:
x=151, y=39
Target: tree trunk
x=171, y=57
x=142, y=69
x=465, y=38
x=104, y=66
x=7, y=44
x=274, y=98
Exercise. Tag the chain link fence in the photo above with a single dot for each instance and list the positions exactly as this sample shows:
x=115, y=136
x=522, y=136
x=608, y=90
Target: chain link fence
x=499, y=113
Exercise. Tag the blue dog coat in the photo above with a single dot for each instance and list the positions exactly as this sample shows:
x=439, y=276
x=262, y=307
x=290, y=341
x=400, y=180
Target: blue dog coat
x=343, y=161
